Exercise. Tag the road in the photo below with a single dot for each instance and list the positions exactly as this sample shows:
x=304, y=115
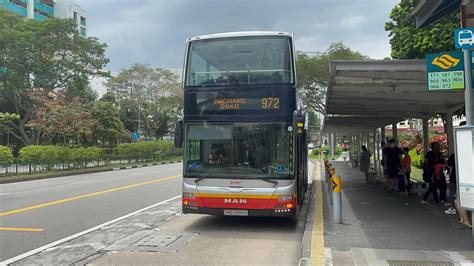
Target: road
x=63, y=206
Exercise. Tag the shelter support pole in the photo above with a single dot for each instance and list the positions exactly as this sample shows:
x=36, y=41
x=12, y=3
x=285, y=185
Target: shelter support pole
x=367, y=139
x=395, y=132
x=450, y=132
x=351, y=147
x=377, y=150
x=468, y=91
x=426, y=143
x=382, y=134
x=374, y=147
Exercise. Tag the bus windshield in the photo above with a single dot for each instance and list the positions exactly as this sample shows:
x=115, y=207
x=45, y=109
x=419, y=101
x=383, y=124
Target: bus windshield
x=240, y=61
x=238, y=150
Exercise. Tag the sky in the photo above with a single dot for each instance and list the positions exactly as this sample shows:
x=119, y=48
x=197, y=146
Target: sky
x=154, y=32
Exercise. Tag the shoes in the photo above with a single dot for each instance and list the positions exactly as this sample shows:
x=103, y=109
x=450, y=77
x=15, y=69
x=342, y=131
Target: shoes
x=425, y=202
x=450, y=211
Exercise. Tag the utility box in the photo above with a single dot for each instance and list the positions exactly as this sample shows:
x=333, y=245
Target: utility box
x=464, y=140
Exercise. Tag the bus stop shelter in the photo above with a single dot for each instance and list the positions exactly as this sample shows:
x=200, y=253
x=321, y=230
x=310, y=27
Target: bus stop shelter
x=366, y=95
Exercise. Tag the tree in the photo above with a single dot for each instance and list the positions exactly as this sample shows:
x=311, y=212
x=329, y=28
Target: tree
x=313, y=73
x=408, y=42
x=107, y=128
x=151, y=96
x=41, y=57
x=61, y=120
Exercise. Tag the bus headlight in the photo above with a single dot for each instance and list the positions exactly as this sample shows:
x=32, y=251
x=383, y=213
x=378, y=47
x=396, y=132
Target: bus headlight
x=285, y=197
x=189, y=195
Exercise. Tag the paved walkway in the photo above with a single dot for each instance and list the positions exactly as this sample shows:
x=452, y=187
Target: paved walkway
x=380, y=228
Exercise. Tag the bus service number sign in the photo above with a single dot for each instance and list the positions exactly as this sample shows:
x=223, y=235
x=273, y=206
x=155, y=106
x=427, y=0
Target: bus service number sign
x=445, y=71
x=267, y=103
x=446, y=80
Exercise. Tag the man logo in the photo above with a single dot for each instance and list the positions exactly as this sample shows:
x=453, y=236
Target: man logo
x=445, y=61
x=235, y=201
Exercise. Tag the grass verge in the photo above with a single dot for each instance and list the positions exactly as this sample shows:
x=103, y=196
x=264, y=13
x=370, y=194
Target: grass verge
x=317, y=157
x=11, y=178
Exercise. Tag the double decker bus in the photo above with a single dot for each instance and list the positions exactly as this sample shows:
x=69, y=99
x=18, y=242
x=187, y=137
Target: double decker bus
x=243, y=132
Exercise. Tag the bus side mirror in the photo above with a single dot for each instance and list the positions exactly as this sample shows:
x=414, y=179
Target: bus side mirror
x=178, y=134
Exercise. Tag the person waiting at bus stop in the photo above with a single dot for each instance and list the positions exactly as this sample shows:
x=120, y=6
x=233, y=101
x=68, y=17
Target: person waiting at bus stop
x=364, y=163
x=432, y=158
x=393, y=162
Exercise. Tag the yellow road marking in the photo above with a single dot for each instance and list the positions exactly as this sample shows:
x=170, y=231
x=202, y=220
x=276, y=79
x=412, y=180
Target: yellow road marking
x=317, y=234
x=84, y=196
x=21, y=229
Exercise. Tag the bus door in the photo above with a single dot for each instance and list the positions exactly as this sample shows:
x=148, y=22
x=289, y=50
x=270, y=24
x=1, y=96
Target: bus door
x=299, y=150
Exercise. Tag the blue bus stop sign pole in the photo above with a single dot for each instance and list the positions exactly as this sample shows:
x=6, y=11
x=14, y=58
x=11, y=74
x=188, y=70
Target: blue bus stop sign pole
x=464, y=39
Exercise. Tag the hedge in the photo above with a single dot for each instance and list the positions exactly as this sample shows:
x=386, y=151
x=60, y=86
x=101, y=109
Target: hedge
x=337, y=151
x=49, y=157
x=6, y=156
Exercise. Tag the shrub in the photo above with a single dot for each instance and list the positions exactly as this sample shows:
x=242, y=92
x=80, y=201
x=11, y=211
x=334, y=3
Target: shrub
x=6, y=156
x=150, y=150
x=82, y=156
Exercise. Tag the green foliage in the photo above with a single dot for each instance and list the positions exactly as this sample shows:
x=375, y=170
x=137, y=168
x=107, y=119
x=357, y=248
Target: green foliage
x=149, y=150
x=152, y=96
x=337, y=151
x=313, y=73
x=50, y=155
x=8, y=118
x=107, y=128
x=416, y=158
x=408, y=42
x=6, y=156
x=42, y=57
x=84, y=155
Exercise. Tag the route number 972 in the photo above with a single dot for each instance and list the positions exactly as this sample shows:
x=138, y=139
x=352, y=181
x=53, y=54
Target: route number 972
x=270, y=103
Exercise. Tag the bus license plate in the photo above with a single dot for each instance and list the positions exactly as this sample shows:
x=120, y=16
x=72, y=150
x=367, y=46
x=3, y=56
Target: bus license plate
x=236, y=212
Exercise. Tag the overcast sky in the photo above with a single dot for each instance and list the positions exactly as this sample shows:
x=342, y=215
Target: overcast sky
x=154, y=31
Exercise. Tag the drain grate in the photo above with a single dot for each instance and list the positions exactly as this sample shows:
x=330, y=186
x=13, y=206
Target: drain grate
x=418, y=263
x=153, y=241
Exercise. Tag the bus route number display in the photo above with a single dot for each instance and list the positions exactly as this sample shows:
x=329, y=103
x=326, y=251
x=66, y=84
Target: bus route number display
x=446, y=80
x=266, y=103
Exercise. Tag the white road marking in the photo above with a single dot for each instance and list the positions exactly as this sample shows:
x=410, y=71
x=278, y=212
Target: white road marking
x=85, y=181
x=7, y=193
x=60, y=241
x=139, y=173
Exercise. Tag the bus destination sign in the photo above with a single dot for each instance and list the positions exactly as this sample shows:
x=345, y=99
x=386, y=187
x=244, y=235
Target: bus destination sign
x=445, y=71
x=264, y=103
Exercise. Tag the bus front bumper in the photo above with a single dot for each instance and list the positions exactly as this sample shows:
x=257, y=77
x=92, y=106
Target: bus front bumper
x=251, y=212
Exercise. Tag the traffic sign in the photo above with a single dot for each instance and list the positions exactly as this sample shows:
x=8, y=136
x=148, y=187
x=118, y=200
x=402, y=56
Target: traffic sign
x=445, y=71
x=464, y=38
x=135, y=136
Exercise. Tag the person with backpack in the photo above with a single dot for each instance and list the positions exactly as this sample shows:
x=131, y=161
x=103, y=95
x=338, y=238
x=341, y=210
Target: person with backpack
x=432, y=158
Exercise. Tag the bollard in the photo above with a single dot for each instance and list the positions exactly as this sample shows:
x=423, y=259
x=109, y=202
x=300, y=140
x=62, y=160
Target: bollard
x=336, y=198
x=331, y=173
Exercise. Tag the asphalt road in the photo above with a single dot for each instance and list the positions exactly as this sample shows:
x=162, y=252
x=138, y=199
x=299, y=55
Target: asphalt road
x=60, y=207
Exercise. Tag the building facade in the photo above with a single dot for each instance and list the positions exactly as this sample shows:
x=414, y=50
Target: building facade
x=43, y=9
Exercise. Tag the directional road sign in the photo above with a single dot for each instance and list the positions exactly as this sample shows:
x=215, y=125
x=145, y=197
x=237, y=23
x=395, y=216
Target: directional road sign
x=135, y=136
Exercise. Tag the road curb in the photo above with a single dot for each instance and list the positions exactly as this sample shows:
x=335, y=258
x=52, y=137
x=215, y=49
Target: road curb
x=66, y=173
x=305, y=258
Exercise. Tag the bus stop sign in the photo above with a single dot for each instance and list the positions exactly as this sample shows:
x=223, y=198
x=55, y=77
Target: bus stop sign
x=445, y=71
x=464, y=38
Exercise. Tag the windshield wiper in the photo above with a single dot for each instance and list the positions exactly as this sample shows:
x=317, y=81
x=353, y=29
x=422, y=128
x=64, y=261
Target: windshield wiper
x=202, y=177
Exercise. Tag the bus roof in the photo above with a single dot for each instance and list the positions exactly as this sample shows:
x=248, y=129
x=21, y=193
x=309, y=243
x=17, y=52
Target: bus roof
x=240, y=34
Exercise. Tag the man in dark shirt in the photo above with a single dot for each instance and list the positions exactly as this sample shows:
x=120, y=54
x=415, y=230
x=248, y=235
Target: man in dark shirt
x=393, y=162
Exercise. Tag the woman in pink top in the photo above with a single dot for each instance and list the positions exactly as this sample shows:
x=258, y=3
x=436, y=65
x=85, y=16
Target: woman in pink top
x=406, y=164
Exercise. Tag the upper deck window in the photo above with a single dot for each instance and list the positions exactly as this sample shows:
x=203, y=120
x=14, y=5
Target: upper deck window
x=240, y=61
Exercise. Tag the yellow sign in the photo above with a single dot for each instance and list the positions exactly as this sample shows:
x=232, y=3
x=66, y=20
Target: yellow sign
x=445, y=61
x=336, y=182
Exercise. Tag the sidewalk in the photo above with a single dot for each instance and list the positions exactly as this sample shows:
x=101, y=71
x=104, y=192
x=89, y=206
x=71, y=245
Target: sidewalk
x=380, y=228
